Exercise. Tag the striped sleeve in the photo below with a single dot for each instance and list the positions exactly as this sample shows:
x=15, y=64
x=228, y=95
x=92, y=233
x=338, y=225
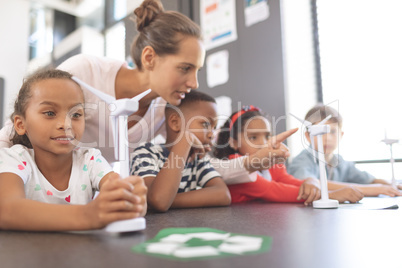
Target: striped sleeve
x=146, y=161
x=205, y=172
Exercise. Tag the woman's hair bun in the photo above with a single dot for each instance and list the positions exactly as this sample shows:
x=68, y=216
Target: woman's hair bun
x=147, y=12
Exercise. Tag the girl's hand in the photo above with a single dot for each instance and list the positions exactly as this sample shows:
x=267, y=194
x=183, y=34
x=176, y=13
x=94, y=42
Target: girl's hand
x=310, y=191
x=116, y=201
x=140, y=190
x=275, y=152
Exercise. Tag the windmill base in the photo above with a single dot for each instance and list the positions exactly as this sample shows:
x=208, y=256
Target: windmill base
x=132, y=225
x=326, y=203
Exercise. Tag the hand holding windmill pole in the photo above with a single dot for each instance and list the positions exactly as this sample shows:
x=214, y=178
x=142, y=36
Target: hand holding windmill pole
x=123, y=108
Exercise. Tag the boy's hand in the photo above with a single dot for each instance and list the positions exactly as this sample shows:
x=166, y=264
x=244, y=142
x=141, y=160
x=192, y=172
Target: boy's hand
x=351, y=194
x=116, y=201
x=377, y=189
x=310, y=191
x=197, y=148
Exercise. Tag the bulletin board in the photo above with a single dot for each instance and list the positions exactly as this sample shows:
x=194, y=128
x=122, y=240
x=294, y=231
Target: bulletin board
x=255, y=63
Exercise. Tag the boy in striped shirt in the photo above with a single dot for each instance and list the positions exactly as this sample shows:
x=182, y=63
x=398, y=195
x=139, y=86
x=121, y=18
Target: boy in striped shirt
x=176, y=173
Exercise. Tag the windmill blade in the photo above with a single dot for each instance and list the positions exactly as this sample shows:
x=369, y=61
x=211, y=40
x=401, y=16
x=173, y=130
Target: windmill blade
x=304, y=122
x=325, y=120
x=141, y=95
x=115, y=125
x=105, y=97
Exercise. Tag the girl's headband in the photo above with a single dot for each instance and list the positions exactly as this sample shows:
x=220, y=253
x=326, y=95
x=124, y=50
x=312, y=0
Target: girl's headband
x=249, y=108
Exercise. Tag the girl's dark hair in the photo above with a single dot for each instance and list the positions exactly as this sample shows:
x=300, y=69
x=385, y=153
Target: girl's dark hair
x=222, y=149
x=24, y=95
x=162, y=30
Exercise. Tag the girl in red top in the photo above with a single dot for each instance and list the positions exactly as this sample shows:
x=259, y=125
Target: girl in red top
x=245, y=132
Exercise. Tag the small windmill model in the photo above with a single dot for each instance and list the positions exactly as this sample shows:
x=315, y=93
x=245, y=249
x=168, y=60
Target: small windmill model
x=122, y=109
x=390, y=142
x=318, y=130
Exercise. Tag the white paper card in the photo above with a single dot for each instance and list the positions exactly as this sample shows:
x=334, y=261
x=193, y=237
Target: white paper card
x=238, y=248
x=176, y=238
x=218, y=22
x=196, y=252
x=162, y=248
x=224, y=105
x=255, y=13
x=244, y=239
x=218, y=68
x=208, y=236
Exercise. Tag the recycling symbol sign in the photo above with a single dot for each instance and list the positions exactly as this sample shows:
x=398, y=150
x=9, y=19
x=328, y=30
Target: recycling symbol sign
x=202, y=243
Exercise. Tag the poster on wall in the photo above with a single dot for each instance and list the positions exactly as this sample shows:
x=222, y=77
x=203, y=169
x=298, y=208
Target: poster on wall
x=217, y=68
x=218, y=22
x=255, y=11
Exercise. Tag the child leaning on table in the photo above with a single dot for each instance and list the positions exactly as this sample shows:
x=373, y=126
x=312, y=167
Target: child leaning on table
x=341, y=173
x=176, y=173
x=244, y=133
x=46, y=182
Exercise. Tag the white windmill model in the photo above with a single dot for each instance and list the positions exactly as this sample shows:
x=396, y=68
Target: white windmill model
x=318, y=130
x=390, y=142
x=123, y=108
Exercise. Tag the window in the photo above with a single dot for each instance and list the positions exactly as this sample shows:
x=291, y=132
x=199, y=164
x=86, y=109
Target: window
x=361, y=64
x=115, y=41
x=41, y=31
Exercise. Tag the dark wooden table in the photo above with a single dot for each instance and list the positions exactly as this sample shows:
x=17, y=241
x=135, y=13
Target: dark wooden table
x=302, y=237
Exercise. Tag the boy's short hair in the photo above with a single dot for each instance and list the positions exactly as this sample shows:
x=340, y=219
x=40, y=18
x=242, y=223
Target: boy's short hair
x=192, y=97
x=319, y=112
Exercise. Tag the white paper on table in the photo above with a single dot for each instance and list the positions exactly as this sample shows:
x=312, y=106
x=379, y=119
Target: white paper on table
x=244, y=239
x=374, y=203
x=162, y=248
x=176, y=238
x=209, y=236
x=238, y=248
x=240, y=244
x=196, y=252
